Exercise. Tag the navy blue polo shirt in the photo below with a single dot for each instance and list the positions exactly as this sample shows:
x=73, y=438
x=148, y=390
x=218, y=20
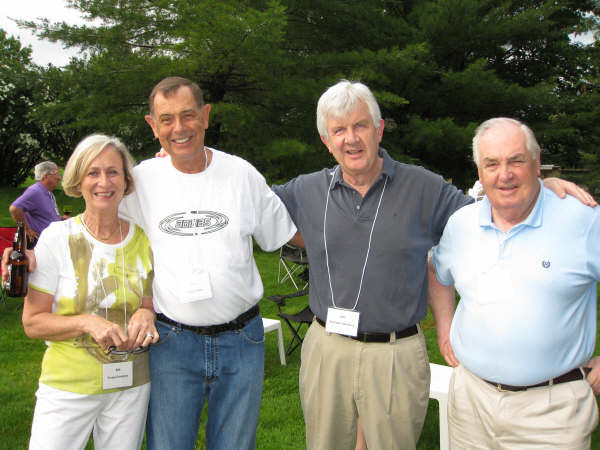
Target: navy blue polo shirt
x=414, y=210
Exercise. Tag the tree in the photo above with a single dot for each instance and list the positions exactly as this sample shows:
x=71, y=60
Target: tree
x=510, y=58
x=438, y=68
x=19, y=150
x=228, y=47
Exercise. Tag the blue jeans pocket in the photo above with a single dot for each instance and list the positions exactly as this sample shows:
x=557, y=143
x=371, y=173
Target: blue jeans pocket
x=254, y=332
x=166, y=332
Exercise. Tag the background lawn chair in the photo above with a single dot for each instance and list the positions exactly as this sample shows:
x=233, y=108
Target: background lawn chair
x=293, y=262
x=295, y=321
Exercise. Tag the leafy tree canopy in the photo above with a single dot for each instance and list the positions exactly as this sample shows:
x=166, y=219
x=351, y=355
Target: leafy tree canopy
x=19, y=150
x=437, y=68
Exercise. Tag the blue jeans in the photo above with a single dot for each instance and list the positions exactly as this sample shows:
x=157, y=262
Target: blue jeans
x=187, y=369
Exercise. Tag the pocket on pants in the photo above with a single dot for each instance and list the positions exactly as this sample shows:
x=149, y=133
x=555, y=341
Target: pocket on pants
x=254, y=332
x=165, y=332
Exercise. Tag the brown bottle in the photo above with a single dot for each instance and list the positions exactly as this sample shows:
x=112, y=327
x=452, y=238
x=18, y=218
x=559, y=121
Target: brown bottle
x=18, y=266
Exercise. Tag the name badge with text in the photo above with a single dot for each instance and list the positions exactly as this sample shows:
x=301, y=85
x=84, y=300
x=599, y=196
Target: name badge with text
x=117, y=375
x=197, y=287
x=342, y=321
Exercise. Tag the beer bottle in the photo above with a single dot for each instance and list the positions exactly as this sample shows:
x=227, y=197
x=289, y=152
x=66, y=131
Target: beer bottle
x=18, y=267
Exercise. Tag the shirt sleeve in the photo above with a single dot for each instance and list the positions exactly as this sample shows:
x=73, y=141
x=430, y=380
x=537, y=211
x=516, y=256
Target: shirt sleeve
x=26, y=201
x=129, y=209
x=148, y=259
x=286, y=192
x=442, y=257
x=45, y=277
x=593, y=245
x=274, y=226
x=450, y=200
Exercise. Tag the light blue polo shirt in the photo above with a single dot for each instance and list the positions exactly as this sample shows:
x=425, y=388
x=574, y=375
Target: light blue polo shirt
x=528, y=297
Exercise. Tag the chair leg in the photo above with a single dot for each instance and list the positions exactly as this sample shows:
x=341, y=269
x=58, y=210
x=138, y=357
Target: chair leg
x=289, y=273
x=296, y=340
x=280, y=345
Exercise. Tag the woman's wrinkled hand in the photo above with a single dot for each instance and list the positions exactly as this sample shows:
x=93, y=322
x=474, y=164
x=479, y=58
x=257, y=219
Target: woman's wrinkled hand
x=106, y=333
x=142, y=329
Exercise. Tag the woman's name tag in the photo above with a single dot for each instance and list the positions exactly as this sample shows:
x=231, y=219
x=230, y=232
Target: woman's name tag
x=117, y=375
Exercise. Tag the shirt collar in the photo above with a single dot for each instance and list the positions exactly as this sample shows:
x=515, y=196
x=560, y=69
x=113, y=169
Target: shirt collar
x=534, y=219
x=387, y=169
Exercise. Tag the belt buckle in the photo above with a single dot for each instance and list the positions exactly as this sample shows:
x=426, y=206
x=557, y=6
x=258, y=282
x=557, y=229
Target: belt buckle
x=499, y=387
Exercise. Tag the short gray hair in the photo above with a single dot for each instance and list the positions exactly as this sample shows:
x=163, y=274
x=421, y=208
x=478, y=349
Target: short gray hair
x=83, y=155
x=531, y=143
x=43, y=168
x=340, y=99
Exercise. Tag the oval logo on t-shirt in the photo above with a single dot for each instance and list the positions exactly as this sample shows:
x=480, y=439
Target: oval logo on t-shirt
x=193, y=223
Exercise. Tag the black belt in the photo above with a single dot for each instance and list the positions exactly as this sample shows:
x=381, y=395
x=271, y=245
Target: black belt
x=236, y=324
x=379, y=337
x=573, y=375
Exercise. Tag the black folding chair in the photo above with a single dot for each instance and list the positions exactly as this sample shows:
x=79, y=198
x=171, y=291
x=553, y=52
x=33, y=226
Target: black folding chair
x=296, y=321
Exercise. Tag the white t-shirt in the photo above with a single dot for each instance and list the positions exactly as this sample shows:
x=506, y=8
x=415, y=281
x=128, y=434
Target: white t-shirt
x=200, y=228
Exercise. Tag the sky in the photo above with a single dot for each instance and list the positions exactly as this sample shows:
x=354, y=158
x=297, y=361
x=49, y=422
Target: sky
x=45, y=52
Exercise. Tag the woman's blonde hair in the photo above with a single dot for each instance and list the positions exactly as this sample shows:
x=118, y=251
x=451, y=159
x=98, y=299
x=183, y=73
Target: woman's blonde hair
x=83, y=155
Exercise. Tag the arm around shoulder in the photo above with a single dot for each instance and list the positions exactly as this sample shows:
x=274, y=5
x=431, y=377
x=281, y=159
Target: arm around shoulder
x=562, y=187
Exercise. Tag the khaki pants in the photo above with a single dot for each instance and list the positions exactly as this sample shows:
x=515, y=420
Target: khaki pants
x=386, y=384
x=562, y=416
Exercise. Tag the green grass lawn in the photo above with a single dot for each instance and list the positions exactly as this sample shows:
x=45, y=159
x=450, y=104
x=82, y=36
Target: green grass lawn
x=281, y=425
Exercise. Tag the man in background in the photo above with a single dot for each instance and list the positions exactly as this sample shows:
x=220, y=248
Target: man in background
x=36, y=207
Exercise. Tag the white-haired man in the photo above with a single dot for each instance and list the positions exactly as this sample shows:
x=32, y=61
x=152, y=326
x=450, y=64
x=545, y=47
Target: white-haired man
x=367, y=224
x=36, y=207
x=526, y=266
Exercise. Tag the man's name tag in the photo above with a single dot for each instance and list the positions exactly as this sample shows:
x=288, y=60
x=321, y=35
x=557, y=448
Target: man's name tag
x=117, y=375
x=197, y=287
x=495, y=287
x=342, y=321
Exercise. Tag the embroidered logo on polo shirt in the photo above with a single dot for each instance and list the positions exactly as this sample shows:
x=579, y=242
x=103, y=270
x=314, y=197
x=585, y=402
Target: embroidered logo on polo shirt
x=193, y=223
x=545, y=263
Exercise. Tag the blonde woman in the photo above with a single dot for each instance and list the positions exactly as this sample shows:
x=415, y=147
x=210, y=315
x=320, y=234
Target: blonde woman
x=90, y=299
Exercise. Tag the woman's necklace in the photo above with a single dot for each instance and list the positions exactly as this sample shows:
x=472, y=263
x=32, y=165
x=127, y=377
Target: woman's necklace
x=98, y=275
x=99, y=237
